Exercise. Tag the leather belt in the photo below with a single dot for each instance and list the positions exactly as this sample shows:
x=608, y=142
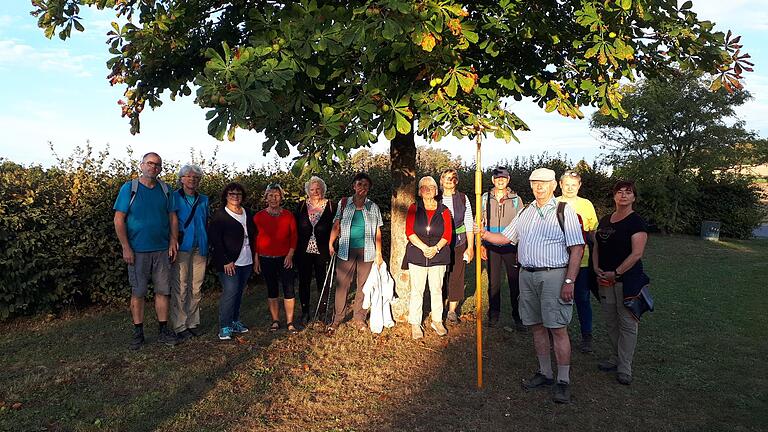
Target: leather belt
x=538, y=269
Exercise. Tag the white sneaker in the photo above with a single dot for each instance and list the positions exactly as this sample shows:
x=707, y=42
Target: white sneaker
x=416, y=332
x=439, y=328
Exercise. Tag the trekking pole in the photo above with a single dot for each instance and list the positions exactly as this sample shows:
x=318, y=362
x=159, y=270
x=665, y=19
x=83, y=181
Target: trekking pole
x=328, y=272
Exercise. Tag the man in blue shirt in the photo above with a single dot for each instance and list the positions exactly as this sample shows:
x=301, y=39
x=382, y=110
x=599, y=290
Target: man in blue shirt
x=147, y=227
x=550, y=247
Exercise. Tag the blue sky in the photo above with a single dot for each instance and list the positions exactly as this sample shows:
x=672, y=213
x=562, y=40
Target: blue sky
x=56, y=91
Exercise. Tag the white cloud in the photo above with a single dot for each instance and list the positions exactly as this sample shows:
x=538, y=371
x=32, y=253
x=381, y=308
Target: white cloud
x=19, y=55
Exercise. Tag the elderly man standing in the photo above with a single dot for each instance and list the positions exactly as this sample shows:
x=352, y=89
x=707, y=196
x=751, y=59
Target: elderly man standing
x=147, y=227
x=550, y=246
x=188, y=272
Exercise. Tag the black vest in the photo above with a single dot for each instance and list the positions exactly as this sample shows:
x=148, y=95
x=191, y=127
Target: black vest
x=430, y=237
x=459, y=208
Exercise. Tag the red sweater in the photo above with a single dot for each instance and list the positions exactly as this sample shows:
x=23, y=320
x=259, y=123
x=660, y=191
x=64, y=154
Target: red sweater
x=411, y=218
x=275, y=235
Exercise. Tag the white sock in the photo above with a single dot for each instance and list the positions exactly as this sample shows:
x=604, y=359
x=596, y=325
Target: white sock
x=563, y=373
x=545, y=365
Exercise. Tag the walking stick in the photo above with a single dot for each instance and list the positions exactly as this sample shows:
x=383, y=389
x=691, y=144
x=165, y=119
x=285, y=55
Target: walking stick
x=331, y=266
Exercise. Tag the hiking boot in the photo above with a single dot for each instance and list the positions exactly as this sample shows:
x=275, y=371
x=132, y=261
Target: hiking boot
x=225, y=333
x=416, y=332
x=167, y=337
x=623, y=378
x=452, y=318
x=607, y=366
x=562, y=393
x=184, y=335
x=194, y=331
x=238, y=327
x=137, y=340
x=586, y=343
x=439, y=328
x=305, y=318
x=537, y=381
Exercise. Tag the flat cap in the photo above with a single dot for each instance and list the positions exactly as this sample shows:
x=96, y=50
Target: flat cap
x=542, y=174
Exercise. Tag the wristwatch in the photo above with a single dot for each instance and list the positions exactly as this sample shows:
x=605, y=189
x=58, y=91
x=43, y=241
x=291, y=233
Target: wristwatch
x=568, y=281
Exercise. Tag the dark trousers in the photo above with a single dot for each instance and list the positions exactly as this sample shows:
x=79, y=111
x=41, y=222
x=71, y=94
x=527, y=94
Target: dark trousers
x=496, y=262
x=308, y=265
x=454, y=276
x=276, y=275
x=345, y=269
x=581, y=295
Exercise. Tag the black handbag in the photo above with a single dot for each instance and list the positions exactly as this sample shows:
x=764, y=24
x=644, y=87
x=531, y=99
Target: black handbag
x=641, y=303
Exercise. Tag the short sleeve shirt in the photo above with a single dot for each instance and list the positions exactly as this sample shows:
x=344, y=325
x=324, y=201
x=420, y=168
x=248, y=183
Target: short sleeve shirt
x=584, y=208
x=614, y=239
x=147, y=218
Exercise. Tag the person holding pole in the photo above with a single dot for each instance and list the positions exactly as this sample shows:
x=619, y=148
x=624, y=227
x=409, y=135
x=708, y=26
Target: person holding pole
x=462, y=243
x=550, y=246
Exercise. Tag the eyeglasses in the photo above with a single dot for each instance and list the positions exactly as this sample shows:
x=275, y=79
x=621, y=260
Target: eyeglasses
x=571, y=173
x=235, y=194
x=158, y=165
x=193, y=177
x=273, y=186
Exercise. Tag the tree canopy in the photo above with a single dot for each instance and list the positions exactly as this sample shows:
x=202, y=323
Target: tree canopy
x=330, y=76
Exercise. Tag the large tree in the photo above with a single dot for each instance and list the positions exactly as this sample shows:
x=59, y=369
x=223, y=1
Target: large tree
x=326, y=77
x=677, y=130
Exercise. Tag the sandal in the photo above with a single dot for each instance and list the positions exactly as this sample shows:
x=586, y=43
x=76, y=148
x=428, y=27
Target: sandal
x=293, y=329
x=275, y=326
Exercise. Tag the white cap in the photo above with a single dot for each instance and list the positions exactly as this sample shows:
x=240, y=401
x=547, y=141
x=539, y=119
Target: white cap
x=542, y=174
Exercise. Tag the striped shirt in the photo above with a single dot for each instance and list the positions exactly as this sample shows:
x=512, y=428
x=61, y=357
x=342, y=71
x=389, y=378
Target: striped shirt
x=373, y=221
x=469, y=221
x=539, y=238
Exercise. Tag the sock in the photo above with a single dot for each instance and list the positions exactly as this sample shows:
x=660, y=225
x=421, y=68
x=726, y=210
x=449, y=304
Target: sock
x=563, y=373
x=138, y=327
x=545, y=365
x=162, y=324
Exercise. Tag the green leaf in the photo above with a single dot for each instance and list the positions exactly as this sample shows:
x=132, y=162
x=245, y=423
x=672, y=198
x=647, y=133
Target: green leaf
x=390, y=133
x=403, y=125
x=313, y=71
x=452, y=87
x=471, y=36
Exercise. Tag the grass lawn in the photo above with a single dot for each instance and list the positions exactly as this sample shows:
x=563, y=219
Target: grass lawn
x=700, y=366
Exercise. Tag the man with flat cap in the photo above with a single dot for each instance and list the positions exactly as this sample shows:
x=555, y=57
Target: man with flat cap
x=549, y=245
x=499, y=207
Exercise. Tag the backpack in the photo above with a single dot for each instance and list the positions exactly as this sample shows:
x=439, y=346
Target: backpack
x=135, y=188
x=561, y=220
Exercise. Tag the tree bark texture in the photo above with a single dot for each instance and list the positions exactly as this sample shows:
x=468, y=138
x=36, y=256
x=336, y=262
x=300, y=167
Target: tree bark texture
x=403, y=160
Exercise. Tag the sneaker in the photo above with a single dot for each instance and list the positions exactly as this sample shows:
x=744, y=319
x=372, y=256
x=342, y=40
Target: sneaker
x=238, y=327
x=562, y=393
x=452, y=318
x=416, y=332
x=137, y=340
x=225, y=333
x=439, y=328
x=538, y=380
x=586, y=343
x=623, y=378
x=167, y=337
x=607, y=366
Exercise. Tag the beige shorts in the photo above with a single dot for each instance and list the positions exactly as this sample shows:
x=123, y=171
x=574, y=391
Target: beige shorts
x=540, y=301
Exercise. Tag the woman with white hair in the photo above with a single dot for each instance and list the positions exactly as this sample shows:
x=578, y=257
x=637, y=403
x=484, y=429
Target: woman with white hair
x=429, y=229
x=314, y=222
x=188, y=271
x=275, y=245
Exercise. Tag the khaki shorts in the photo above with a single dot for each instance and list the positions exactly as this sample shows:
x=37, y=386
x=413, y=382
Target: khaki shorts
x=540, y=301
x=148, y=266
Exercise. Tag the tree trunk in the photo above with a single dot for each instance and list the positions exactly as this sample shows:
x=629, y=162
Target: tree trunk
x=403, y=167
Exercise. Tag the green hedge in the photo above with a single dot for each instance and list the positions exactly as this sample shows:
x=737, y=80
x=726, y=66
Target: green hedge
x=58, y=246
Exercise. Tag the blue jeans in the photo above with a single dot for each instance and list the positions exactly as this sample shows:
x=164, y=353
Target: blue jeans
x=232, y=294
x=581, y=296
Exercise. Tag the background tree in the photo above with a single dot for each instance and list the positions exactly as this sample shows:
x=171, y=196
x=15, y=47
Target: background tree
x=677, y=136
x=331, y=76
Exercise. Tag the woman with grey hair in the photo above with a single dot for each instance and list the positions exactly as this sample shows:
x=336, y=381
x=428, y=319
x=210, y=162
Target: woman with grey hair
x=188, y=271
x=314, y=221
x=429, y=229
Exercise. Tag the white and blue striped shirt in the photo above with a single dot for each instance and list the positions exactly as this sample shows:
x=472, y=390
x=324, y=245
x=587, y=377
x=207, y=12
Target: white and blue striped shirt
x=539, y=238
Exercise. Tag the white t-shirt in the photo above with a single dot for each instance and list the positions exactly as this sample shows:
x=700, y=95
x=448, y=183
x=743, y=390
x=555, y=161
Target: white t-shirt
x=246, y=257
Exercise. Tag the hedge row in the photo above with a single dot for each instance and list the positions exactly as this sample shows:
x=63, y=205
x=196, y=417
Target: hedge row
x=57, y=240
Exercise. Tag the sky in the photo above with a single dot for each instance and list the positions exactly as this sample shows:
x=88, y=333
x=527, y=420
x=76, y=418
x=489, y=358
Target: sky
x=56, y=92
